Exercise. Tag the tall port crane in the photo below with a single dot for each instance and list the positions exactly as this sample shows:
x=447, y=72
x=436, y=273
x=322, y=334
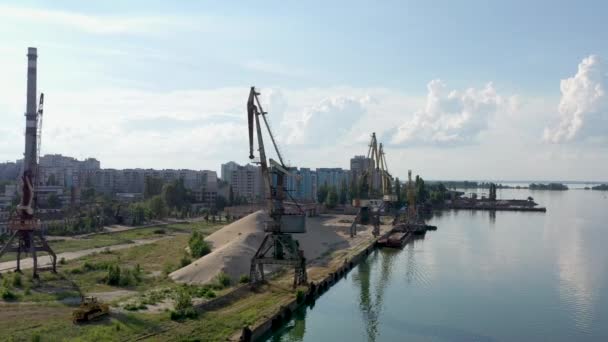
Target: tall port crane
x=27, y=236
x=278, y=246
x=386, y=178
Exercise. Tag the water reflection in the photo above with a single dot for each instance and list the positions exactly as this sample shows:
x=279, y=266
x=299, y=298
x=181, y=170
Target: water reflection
x=492, y=216
x=576, y=288
x=369, y=305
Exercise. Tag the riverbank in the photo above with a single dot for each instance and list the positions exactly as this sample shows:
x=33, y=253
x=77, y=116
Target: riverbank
x=219, y=318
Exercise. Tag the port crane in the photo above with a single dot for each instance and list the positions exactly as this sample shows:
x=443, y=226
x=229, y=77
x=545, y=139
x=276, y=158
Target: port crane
x=278, y=246
x=386, y=178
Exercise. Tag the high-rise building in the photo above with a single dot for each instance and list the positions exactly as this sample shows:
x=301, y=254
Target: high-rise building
x=359, y=164
x=307, y=184
x=246, y=181
x=227, y=169
x=332, y=177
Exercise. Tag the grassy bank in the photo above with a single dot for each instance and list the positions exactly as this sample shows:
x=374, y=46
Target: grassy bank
x=123, y=237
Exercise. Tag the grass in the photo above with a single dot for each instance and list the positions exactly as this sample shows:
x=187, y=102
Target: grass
x=53, y=322
x=89, y=273
x=124, y=237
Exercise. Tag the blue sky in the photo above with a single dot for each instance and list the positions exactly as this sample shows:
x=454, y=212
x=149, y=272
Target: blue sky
x=472, y=84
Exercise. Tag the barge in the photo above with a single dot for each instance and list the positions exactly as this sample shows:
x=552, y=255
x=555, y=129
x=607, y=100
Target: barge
x=396, y=239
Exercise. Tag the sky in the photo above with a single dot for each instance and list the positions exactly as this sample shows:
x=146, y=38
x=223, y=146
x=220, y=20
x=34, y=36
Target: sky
x=483, y=90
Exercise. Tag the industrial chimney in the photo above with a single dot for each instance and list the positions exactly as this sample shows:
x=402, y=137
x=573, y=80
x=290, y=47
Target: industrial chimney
x=31, y=115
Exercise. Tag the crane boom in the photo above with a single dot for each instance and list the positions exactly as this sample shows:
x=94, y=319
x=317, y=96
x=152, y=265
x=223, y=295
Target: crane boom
x=39, y=139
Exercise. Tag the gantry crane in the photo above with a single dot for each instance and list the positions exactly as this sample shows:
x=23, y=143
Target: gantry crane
x=278, y=246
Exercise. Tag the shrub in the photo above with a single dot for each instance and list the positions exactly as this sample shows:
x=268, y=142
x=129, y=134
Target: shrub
x=131, y=307
x=185, y=261
x=126, y=277
x=244, y=279
x=76, y=271
x=168, y=268
x=137, y=272
x=160, y=231
x=188, y=313
x=7, y=294
x=182, y=300
x=62, y=261
x=17, y=282
x=183, y=306
x=198, y=246
x=113, y=275
x=222, y=280
x=135, y=306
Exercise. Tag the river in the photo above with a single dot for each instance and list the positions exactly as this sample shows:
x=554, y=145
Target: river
x=482, y=276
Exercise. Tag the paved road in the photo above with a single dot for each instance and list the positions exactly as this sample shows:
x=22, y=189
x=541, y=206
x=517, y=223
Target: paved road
x=45, y=260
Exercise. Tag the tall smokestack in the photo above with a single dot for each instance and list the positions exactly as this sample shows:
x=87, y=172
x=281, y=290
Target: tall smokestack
x=31, y=115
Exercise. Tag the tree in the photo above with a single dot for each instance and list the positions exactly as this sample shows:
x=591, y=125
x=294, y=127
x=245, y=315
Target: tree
x=343, y=192
x=332, y=198
x=88, y=194
x=220, y=202
x=322, y=193
x=176, y=195
x=422, y=194
x=158, y=207
x=53, y=201
x=152, y=186
x=138, y=214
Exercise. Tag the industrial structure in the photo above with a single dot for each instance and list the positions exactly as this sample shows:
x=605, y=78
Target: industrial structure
x=374, y=180
x=278, y=246
x=27, y=235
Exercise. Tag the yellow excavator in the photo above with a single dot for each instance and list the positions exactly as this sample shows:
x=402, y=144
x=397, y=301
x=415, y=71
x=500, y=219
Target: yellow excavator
x=90, y=308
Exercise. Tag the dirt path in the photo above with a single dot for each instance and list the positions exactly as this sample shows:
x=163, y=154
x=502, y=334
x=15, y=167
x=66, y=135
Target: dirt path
x=45, y=260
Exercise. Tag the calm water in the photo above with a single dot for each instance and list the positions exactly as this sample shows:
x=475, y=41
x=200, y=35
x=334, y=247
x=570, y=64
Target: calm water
x=507, y=276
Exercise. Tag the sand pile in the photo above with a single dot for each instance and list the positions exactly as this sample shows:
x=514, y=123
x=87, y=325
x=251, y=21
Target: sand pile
x=234, y=245
x=232, y=248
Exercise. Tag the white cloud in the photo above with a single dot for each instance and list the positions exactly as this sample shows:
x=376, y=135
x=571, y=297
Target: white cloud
x=325, y=122
x=450, y=117
x=584, y=104
x=87, y=23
